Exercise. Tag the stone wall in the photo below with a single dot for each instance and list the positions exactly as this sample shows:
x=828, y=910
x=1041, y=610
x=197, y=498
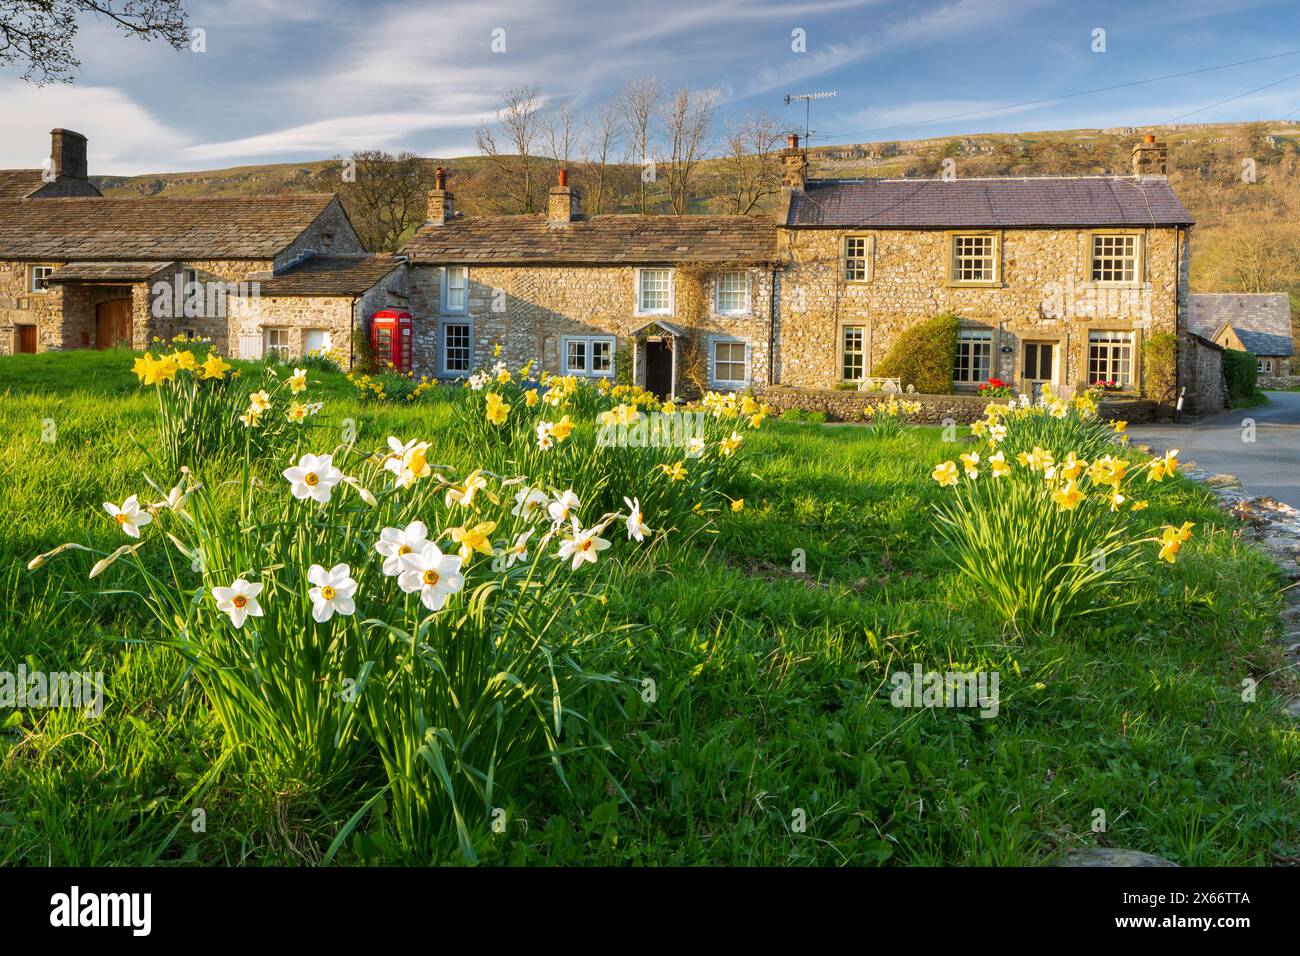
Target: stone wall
x=331, y=234
x=846, y=406
x=20, y=306
x=1043, y=293
x=529, y=310
x=1206, y=391
x=1279, y=381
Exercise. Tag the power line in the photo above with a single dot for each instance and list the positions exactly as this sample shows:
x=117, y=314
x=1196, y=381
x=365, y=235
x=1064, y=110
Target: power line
x=1066, y=96
x=1231, y=98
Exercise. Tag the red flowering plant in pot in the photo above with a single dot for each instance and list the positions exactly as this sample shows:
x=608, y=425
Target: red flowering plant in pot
x=996, y=388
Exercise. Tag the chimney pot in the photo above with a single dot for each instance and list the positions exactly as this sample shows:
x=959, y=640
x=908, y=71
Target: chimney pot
x=1149, y=138
x=792, y=140
x=439, y=210
x=439, y=178
x=564, y=177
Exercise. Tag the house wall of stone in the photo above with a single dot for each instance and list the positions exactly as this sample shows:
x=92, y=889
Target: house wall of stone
x=1206, y=392
x=1044, y=294
x=210, y=318
x=331, y=234
x=20, y=306
x=528, y=310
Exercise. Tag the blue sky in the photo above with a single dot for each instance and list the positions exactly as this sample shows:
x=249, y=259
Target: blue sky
x=293, y=80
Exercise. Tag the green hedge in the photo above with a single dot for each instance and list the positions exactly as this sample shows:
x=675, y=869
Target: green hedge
x=1160, y=367
x=1240, y=371
x=923, y=356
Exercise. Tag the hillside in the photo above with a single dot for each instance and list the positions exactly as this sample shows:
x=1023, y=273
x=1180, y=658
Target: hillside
x=1247, y=236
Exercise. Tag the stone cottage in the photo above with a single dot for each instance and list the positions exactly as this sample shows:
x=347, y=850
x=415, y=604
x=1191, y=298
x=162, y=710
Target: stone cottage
x=1055, y=279
x=81, y=271
x=685, y=301
x=1259, y=323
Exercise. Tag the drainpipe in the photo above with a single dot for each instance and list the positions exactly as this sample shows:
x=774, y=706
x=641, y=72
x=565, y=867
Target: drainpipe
x=771, y=329
x=352, y=333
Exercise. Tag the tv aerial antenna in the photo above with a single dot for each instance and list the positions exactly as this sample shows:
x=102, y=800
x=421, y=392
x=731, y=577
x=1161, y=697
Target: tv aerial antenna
x=807, y=99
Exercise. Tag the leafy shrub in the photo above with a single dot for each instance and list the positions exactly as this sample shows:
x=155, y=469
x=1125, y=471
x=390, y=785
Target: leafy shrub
x=1160, y=368
x=1241, y=372
x=1046, y=535
x=802, y=415
x=924, y=355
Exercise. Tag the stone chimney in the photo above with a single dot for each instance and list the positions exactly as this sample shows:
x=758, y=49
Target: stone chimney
x=794, y=164
x=563, y=203
x=68, y=155
x=1149, y=157
x=439, y=199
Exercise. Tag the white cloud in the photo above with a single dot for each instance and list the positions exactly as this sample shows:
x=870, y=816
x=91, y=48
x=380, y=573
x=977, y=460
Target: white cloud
x=332, y=137
x=123, y=136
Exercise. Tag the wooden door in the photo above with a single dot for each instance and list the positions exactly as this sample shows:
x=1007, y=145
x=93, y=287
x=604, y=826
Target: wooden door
x=1039, y=367
x=113, y=323
x=26, y=338
x=659, y=368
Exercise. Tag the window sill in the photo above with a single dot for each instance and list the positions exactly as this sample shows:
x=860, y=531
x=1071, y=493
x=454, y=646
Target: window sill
x=951, y=284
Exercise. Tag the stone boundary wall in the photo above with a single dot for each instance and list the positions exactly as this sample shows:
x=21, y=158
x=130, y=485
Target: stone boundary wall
x=843, y=405
x=1279, y=381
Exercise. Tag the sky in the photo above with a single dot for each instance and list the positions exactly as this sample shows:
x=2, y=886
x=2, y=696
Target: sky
x=283, y=81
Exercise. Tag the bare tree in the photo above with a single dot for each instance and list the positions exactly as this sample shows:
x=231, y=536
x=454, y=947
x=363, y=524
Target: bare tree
x=638, y=104
x=599, y=143
x=559, y=133
x=687, y=119
x=519, y=118
x=1253, y=254
x=751, y=167
x=389, y=197
x=40, y=34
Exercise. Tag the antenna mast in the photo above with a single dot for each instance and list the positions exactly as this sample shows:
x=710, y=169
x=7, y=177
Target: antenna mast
x=807, y=109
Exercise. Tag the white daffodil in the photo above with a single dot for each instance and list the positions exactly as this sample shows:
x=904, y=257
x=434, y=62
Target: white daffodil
x=529, y=502
x=239, y=600
x=129, y=517
x=332, y=593
x=393, y=543
x=432, y=573
x=463, y=493
x=636, y=526
x=582, y=545
x=544, y=439
x=695, y=446
x=519, y=550
x=562, y=508
x=174, y=501
x=313, y=477
x=408, y=462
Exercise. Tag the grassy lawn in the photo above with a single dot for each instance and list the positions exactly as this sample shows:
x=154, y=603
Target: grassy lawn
x=770, y=738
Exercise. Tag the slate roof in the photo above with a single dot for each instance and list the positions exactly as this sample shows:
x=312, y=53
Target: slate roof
x=330, y=275
x=17, y=183
x=1261, y=320
x=88, y=228
x=1062, y=201
x=107, y=271
x=599, y=240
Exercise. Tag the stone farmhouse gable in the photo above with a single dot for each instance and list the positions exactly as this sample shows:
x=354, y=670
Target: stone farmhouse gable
x=1259, y=323
x=81, y=271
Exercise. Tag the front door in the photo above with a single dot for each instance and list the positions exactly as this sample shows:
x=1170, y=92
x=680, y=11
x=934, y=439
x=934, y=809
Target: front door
x=1038, y=367
x=659, y=368
x=113, y=323
x=26, y=338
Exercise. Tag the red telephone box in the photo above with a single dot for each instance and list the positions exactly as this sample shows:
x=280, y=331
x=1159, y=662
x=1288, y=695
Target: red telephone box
x=390, y=337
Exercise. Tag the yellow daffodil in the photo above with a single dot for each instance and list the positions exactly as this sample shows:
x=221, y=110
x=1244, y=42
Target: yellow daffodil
x=738, y=505
x=297, y=412
x=531, y=397
x=1068, y=496
x=497, y=410
x=945, y=473
x=474, y=539
x=999, y=465
x=1038, y=459
x=1138, y=506
x=185, y=360
x=675, y=472
x=214, y=367
x=298, y=380
x=970, y=461
x=1072, y=467
x=562, y=429
x=730, y=444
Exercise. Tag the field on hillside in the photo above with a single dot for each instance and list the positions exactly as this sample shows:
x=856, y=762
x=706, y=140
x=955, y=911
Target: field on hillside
x=731, y=677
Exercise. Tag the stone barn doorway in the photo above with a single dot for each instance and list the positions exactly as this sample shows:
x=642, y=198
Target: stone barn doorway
x=113, y=323
x=26, y=336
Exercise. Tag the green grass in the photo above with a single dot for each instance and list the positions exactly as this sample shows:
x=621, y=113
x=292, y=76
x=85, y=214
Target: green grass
x=770, y=685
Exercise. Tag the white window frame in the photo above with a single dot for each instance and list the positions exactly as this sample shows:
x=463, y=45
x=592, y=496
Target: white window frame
x=34, y=275
x=444, y=286
x=588, y=342
x=1264, y=365
x=306, y=340
x=268, y=347
x=747, y=306
x=1136, y=257
x=967, y=367
x=442, y=347
x=672, y=291
x=864, y=258
x=845, y=352
x=728, y=383
x=994, y=258
x=1114, y=341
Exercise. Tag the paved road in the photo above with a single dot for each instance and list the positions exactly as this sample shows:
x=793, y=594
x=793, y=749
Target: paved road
x=1268, y=466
